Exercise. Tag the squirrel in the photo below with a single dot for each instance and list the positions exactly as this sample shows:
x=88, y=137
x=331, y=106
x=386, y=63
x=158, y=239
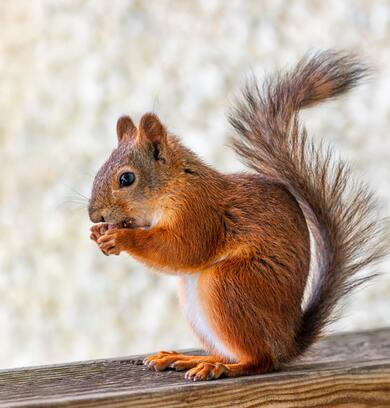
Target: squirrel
x=243, y=244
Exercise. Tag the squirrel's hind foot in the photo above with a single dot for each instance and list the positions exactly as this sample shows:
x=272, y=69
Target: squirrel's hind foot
x=212, y=371
x=200, y=368
x=177, y=361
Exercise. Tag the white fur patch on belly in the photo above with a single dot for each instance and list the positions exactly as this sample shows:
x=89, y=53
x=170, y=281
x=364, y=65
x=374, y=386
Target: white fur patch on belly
x=195, y=314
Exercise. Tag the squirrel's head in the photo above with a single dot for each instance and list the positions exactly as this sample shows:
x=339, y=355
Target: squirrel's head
x=127, y=189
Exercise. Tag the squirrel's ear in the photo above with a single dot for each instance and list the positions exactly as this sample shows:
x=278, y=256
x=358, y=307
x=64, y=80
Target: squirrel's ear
x=125, y=129
x=154, y=131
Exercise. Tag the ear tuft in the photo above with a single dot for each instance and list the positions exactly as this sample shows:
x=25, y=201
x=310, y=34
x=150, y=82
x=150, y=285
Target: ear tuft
x=125, y=129
x=154, y=132
x=152, y=128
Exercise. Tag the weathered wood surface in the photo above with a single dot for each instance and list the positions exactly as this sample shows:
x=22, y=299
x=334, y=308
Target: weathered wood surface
x=349, y=370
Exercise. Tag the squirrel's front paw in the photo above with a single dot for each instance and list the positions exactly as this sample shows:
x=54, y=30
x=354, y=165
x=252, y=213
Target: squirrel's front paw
x=97, y=230
x=112, y=242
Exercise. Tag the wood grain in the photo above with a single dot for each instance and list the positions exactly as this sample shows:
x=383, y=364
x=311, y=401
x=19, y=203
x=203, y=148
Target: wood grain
x=349, y=370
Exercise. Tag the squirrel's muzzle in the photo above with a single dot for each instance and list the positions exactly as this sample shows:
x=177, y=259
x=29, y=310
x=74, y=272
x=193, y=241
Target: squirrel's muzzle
x=95, y=215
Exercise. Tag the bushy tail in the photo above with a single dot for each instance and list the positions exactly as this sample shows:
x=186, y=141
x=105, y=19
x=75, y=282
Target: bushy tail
x=337, y=209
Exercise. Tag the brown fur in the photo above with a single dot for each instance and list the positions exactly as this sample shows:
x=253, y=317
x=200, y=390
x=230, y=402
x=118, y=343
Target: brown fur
x=246, y=235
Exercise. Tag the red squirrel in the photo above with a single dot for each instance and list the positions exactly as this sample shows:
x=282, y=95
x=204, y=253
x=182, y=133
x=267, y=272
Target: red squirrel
x=241, y=243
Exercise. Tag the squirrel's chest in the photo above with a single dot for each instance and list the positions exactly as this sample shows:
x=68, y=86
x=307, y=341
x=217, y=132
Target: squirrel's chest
x=189, y=294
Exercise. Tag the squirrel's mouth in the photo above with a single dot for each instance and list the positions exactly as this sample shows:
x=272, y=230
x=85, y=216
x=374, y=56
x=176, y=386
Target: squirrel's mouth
x=128, y=223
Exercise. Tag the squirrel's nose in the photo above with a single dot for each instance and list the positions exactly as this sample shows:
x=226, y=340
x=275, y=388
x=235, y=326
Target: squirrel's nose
x=95, y=215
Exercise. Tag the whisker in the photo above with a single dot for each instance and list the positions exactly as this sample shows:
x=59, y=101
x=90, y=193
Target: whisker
x=73, y=203
x=80, y=195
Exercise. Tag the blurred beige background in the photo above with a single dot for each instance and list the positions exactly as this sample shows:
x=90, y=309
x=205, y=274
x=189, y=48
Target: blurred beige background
x=69, y=68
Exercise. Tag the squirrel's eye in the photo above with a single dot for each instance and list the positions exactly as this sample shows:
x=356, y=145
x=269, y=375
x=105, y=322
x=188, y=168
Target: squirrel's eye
x=126, y=179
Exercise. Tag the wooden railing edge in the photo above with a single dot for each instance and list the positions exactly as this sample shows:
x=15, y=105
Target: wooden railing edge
x=351, y=368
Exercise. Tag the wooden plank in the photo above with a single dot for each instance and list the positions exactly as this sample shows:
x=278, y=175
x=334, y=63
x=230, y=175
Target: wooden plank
x=341, y=371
